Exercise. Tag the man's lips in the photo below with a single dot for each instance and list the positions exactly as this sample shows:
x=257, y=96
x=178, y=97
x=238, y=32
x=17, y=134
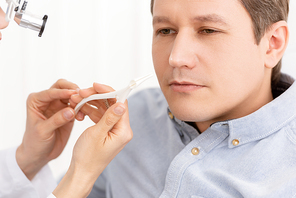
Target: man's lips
x=184, y=86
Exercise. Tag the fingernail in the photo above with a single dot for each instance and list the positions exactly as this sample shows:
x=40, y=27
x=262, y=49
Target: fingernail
x=68, y=114
x=75, y=95
x=77, y=90
x=80, y=115
x=119, y=110
x=97, y=83
x=72, y=91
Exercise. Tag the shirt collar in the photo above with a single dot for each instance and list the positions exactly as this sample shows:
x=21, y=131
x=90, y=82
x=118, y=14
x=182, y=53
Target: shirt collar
x=184, y=129
x=265, y=121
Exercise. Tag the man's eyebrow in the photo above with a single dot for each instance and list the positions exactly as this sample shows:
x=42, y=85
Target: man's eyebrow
x=160, y=19
x=214, y=18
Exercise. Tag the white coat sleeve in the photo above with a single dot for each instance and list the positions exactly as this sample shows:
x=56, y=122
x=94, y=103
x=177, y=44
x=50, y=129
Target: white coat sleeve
x=14, y=183
x=51, y=196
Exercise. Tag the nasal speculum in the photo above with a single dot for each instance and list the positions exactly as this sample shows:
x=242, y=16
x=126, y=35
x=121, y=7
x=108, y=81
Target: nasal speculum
x=120, y=95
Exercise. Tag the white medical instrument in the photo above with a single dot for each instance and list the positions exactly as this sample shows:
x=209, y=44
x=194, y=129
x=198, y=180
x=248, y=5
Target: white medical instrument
x=16, y=9
x=120, y=95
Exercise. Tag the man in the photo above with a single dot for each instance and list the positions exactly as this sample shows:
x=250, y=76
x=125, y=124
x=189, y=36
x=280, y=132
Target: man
x=230, y=129
x=50, y=118
x=3, y=22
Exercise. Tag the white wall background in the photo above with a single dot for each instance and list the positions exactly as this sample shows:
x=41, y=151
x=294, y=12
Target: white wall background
x=84, y=41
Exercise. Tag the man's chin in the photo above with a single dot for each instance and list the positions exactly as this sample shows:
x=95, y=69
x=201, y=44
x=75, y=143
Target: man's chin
x=190, y=113
x=183, y=114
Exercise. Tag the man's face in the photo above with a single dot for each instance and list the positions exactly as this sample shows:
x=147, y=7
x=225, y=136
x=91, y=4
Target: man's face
x=3, y=22
x=208, y=64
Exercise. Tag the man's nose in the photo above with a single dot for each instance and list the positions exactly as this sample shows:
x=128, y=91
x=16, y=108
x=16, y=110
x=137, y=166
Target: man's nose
x=183, y=53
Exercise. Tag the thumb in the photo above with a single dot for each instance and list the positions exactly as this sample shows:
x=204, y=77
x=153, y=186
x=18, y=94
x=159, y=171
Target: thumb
x=110, y=118
x=59, y=119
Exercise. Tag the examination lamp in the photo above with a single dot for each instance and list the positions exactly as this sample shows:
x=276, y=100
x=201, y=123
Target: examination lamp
x=17, y=10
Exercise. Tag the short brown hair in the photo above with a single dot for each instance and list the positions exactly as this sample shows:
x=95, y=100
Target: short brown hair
x=264, y=13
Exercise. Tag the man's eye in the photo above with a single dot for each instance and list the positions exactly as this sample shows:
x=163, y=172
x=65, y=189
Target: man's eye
x=208, y=31
x=166, y=31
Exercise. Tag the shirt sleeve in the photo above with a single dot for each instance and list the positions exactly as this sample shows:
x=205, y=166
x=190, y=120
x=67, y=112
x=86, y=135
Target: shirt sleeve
x=14, y=183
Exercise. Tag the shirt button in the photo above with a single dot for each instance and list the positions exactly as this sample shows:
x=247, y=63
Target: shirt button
x=235, y=142
x=171, y=115
x=195, y=151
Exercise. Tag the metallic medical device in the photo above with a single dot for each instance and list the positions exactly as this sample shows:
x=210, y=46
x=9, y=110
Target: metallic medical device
x=16, y=10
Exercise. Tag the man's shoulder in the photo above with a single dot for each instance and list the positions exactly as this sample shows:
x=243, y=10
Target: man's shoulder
x=148, y=92
x=148, y=104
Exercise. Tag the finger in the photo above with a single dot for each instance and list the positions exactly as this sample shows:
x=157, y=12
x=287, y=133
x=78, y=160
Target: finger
x=51, y=94
x=110, y=118
x=84, y=93
x=122, y=128
x=80, y=116
x=65, y=101
x=125, y=117
x=100, y=88
x=111, y=101
x=96, y=89
x=95, y=109
x=59, y=119
x=100, y=104
x=95, y=114
x=76, y=98
x=72, y=104
x=64, y=84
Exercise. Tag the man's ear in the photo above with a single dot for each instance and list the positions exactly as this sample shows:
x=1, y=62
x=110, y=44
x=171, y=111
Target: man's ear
x=278, y=37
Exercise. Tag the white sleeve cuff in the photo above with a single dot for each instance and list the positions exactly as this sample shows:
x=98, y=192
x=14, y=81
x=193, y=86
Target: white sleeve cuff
x=51, y=196
x=14, y=183
x=44, y=181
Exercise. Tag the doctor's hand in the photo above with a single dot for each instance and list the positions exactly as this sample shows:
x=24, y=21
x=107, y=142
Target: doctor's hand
x=48, y=127
x=97, y=145
x=94, y=150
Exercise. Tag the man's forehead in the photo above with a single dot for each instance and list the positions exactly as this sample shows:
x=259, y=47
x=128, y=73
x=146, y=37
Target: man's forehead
x=168, y=1
x=213, y=18
x=159, y=1
x=215, y=11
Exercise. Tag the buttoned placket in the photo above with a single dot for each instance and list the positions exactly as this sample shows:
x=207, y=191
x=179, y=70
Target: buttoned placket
x=194, y=151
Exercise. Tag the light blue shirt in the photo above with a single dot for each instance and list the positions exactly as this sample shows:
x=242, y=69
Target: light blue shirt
x=253, y=156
